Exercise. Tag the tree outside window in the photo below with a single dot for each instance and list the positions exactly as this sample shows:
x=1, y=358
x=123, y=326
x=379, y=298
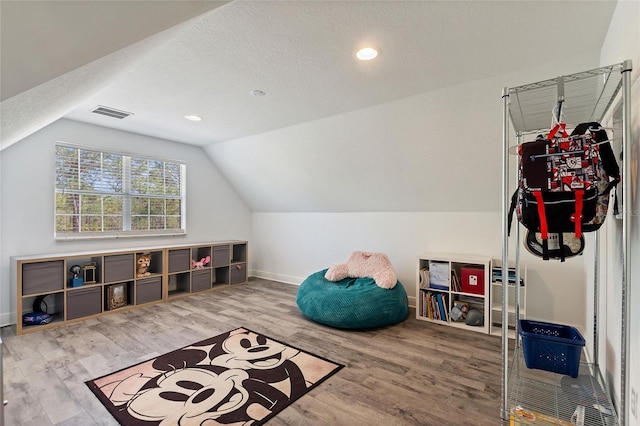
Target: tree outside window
x=100, y=193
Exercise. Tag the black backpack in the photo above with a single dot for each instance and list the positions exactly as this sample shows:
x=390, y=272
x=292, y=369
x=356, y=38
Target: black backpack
x=563, y=189
x=608, y=173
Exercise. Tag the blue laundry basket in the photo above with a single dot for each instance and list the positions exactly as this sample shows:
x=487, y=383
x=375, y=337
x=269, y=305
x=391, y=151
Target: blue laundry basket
x=551, y=347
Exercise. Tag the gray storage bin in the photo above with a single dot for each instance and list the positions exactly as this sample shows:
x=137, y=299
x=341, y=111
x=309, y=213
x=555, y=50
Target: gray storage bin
x=179, y=260
x=238, y=273
x=220, y=256
x=84, y=302
x=119, y=267
x=148, y=290
x=200, y=280
x=41, y=277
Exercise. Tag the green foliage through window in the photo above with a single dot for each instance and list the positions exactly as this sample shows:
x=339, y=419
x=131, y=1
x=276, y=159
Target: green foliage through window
x=104, y=193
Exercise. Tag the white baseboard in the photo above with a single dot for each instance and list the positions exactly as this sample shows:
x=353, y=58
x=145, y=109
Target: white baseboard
x=7, y=319
x=287, y=279
x=412, y=301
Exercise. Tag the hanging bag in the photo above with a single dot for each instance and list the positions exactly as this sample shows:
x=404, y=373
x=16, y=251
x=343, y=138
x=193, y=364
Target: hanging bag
x=563, y=188
x=607, y=173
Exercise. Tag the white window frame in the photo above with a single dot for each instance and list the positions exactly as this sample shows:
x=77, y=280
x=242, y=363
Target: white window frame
x=127, y=195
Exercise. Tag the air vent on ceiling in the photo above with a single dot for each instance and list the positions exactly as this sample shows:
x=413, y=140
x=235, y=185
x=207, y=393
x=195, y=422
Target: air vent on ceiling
x=110, y=112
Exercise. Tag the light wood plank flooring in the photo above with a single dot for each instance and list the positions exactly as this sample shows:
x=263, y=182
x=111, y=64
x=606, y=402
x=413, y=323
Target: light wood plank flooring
x=413, y=373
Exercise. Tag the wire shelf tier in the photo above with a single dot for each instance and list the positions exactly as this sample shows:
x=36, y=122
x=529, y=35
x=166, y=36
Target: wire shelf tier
x=588, y=96
x=556, y=397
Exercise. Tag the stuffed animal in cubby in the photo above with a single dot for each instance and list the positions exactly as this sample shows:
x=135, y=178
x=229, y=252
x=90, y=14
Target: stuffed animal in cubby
x=200, y=263
x=143, y=260
x=365, y=264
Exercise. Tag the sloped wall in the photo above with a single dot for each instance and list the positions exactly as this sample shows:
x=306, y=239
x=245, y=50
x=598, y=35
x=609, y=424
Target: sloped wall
x=415, y=175
x=438, y=151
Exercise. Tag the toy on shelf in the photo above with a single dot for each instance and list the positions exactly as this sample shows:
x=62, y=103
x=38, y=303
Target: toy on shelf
x=201, y=263
x=76, y=280
x=142, y=264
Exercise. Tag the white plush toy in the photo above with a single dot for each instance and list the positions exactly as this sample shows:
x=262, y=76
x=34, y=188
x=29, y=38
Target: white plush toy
x=365, y=264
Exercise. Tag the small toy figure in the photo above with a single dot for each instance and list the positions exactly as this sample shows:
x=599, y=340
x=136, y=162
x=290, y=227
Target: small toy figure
x=75, y=271
x=142, y=264
x=201, y=263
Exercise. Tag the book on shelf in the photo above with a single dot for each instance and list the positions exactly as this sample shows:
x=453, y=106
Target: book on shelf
x=424, y=278
x=435, y=310
x=455, y=281
x=496, y=276
x=425, y=303
x=439, y=275
x=442, y=306
x=427, y=308
x=433, y=305
x=445, y=298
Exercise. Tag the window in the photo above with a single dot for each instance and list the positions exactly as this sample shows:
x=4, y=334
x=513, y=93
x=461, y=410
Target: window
x=107, y=194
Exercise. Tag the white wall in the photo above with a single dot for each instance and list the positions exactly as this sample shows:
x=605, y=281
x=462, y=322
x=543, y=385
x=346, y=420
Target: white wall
x=214, y=210
x=623, y=42
x=291, y=243
x=308, y=242
x=291, y=246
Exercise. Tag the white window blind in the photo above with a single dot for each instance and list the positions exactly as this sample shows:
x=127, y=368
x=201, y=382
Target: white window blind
x=102, y=194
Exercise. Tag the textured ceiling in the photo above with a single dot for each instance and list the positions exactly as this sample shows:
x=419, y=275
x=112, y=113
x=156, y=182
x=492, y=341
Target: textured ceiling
x=301, y=54
x=42, y=40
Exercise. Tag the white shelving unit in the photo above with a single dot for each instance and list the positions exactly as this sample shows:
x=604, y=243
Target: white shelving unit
x=515, y=310
x=453, y=278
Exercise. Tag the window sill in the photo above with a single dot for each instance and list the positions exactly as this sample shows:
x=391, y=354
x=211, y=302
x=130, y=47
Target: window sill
x=97, y=236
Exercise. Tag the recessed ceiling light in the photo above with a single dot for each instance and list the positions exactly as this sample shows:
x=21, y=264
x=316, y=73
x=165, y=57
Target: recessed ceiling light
x=366, y=54
x=258, y=92
x=193, y=117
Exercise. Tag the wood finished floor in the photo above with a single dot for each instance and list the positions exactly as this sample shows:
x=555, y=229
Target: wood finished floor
x=413, y=373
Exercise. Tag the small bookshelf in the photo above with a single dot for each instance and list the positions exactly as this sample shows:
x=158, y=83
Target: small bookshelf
x=454, y=290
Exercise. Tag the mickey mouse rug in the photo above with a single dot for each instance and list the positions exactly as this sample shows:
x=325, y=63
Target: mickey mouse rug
x=237, y=378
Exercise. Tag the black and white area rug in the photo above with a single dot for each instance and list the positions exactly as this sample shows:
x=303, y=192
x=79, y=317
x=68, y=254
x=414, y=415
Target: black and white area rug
x=237, y=378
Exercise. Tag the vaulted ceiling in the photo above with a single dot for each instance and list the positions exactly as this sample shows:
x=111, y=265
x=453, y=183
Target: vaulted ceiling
x=166, y=59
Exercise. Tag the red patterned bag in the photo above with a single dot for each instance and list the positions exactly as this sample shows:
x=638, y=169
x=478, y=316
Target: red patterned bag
x=563, y=185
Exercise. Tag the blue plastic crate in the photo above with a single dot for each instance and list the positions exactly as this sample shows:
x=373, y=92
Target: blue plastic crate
x=551, y=347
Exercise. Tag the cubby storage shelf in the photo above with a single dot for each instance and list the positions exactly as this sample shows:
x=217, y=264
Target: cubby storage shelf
x=445, y=280
x=82, y=285
x=202, y=267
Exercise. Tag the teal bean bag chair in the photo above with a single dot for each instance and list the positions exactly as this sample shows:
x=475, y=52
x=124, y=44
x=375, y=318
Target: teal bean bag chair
x=351, y=303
